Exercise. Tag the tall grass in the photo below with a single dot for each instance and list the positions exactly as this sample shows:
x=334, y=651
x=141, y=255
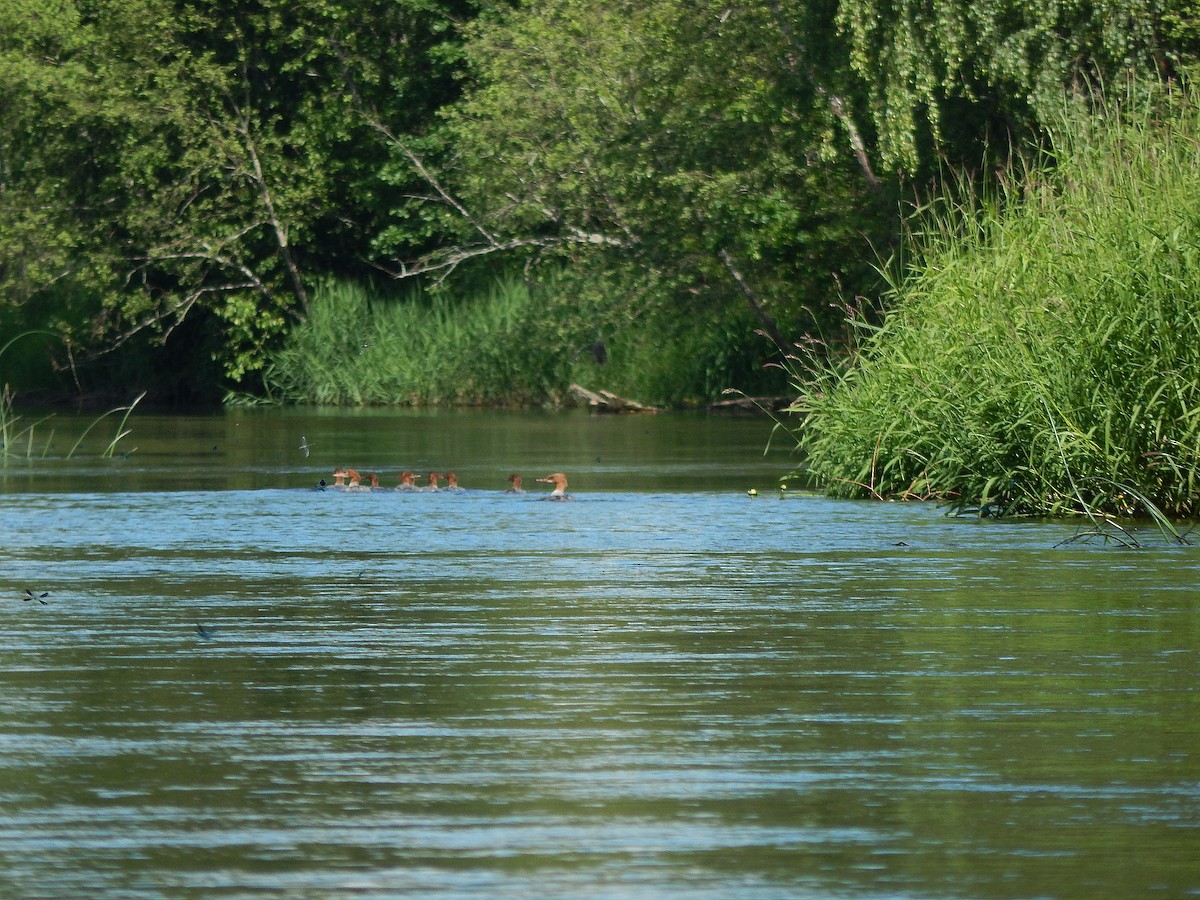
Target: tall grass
x=515, y=345
x=24, y=440
x=361, y=347
x=1042, y=356
x=10, y=435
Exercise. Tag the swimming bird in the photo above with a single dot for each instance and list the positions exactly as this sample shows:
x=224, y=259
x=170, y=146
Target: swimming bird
x=355, y=481
x=515, y=482
x=339, y=480
x=205, y=633
x=452, y=482
x=407, y=482
x=559, y=480
x=432, y=478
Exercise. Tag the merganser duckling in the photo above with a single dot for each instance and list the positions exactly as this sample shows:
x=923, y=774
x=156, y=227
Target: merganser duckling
x=515, y=481
x=407, y=482
x=559, y=480
x=432, y=478
x=355, y=481
x=452, y=483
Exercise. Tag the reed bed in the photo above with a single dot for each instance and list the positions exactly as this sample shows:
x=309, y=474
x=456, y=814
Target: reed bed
x=360, y=347
x=1042, y=355
x=516, y=345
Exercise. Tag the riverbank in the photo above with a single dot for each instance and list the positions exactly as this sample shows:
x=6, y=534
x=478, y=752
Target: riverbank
x=1039, y=356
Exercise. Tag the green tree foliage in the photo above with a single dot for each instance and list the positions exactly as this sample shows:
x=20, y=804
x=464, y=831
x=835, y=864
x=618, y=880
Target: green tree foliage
x=189, y=168
x=718, y=152
x=158, y=158
x=673, y=144
x=1003, y=64
x=36, y=84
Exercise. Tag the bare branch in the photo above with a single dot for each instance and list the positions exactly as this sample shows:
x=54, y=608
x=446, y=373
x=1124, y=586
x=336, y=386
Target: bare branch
x=242, y=126
x=432, y=180
x=447, y=260
x=796, y=58
x=206, y=254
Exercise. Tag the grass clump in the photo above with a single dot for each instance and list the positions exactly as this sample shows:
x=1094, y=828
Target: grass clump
x=517, y=345
x=360, y=346
x=1042, y=355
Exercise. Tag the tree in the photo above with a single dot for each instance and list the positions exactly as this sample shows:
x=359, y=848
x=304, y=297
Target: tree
x=668, y=144
x=161, y=157
x=997, y=64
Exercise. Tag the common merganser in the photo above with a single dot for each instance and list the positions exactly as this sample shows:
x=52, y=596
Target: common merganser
x=407, y=482
x=515, y=481
x=452, y=483
x=432, y=478
x=559, y=480
x=355, y=481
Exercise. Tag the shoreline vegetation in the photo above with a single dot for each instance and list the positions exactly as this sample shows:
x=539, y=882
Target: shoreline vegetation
x=655, y=205
x=366, y=346
x=1041, y=351
x=24, y=440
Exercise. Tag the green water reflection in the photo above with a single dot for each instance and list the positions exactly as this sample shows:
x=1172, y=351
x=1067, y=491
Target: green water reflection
x=255, y=449
x=646, y=692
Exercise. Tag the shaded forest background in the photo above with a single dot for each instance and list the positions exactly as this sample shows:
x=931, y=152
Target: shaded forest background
x=436, y=201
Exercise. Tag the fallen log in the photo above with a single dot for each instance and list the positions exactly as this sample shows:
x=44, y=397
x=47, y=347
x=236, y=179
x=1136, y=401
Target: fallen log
x=607, y=401
x=752, y=404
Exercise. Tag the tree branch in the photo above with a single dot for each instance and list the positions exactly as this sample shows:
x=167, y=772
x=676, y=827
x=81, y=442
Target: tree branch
x=432, y=180
x=837, y=105
x=242, y=126
x=768, y=323
x=447, y=260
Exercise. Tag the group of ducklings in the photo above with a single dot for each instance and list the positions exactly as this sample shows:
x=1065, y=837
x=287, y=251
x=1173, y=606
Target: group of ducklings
x=352, y=480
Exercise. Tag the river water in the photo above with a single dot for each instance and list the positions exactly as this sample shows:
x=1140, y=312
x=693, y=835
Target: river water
x=239, y=686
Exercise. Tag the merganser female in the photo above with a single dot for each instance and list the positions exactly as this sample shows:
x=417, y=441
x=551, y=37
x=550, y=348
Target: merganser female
x=432, y=478
x=407, y=482
x=515, y=481
x=559, y=480
x=452, y=483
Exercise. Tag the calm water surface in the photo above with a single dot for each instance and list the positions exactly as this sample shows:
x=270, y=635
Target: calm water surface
x=664, y=688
